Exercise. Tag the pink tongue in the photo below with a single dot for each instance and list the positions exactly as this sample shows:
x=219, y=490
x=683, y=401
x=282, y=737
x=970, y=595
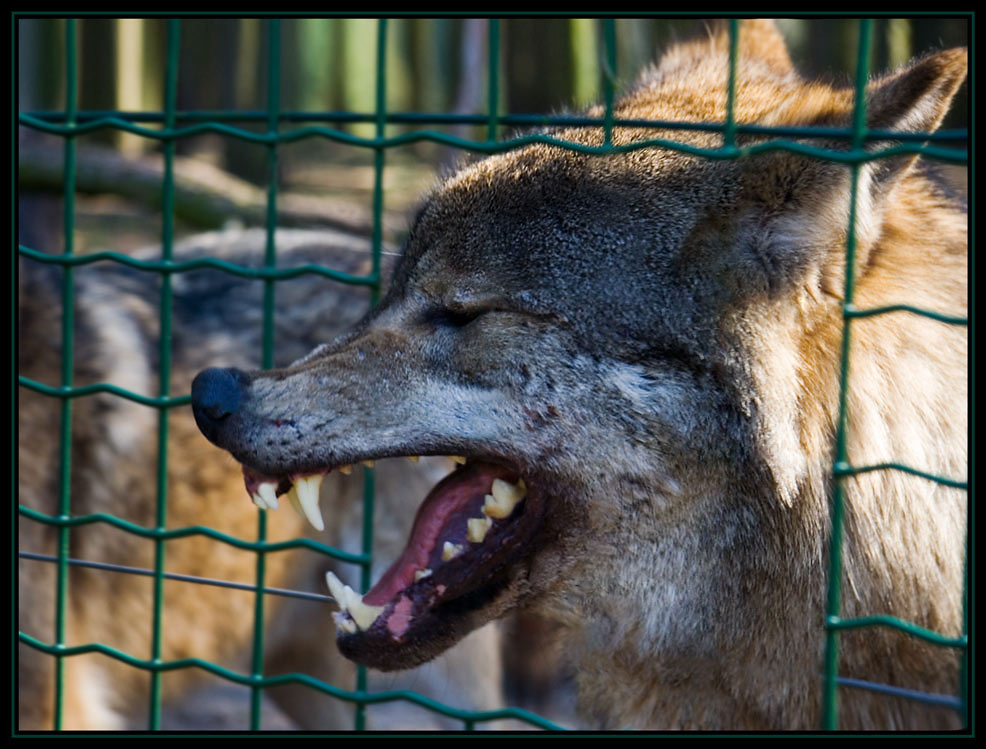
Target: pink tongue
x=460, y=488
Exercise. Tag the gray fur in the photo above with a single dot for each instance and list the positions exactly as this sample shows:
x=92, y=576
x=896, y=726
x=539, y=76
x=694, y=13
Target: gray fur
x=652, y=340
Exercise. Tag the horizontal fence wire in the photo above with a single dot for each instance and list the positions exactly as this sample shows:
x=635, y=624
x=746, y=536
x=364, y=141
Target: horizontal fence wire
x=857, y=155
x=68, y=392
x=842, y=469
x=72, y=123
x=369, y=698
x=926, y=698
x=178, y=577
x=851, y=310
x=166, y=267
x=48, y=122
x=893, y=622
x=161, y=534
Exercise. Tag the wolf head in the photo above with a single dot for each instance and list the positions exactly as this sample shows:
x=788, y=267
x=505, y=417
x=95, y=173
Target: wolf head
x=636, y=356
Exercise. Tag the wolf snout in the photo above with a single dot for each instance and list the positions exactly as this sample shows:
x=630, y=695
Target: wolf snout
x=216, y=395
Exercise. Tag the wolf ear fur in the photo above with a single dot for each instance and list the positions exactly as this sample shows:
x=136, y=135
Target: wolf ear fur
x=916, y=98
x=758, y=39
x=912, y=100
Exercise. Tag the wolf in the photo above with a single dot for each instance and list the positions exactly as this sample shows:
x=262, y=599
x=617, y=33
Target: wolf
x=113, y=462
x=636, y=357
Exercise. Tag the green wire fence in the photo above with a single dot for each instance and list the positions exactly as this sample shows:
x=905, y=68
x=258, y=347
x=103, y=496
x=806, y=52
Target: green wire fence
x=842, y=469
x=72, y=123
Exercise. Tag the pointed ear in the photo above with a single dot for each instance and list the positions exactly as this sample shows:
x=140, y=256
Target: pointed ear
x=759, y=39
x=912, y=100
x=805, y=202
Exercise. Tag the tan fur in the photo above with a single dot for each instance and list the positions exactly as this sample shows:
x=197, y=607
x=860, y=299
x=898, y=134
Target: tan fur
x=652, y=340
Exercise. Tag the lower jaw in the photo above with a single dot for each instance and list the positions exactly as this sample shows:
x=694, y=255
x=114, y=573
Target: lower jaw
x=418, y=621
x=398, y=640
x=405, y=620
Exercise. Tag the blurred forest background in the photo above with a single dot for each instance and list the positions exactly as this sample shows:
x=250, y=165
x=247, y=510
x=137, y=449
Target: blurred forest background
x=546, y=65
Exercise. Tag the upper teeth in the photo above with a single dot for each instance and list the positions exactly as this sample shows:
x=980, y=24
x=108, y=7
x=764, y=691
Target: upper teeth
x=265, y=497
x=351, y=602
x=305, y=491
x=304, y=496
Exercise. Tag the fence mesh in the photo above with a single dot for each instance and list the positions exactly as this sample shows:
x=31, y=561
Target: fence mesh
x=72, y=123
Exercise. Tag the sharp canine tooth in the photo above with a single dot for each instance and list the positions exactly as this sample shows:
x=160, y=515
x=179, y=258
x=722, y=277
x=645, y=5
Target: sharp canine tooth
x=451, y=551
x=336, y=588
x=363, y=614
x=267, y=492
x=352, y=602
x=258, y=500
x=458, y=459
x=295, y=503
x=477, y=528
x=307, y=492
x=346, y=470
x=421, y=574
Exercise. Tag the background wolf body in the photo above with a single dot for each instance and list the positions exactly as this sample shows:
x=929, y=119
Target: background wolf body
x=216, y=317
x=651, y=342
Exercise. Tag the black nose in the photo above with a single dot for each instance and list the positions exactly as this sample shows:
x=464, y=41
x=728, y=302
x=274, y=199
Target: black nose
x=216, y=394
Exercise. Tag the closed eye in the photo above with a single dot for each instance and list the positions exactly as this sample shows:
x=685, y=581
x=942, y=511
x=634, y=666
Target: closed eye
x=454, y=318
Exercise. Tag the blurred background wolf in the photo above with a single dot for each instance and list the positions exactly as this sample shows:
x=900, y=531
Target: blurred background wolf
x=114, y=454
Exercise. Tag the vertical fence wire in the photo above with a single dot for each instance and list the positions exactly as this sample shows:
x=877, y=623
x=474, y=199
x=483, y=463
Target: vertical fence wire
x=359, y=720
x=964, y=661
x=267, y=354
x=68, y=326
x=830, y=697
x=164, y=368
x=609, y=77
x=493, y=80
x=729, y=129
x=970, y=560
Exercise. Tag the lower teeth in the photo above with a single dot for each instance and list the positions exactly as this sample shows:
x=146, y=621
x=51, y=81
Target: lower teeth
x=351, y=602
x=355, y=615
x=451, y=551
x=477, y=528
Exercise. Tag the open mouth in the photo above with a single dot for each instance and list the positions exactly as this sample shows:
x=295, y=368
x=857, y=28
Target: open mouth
x=469, y=532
